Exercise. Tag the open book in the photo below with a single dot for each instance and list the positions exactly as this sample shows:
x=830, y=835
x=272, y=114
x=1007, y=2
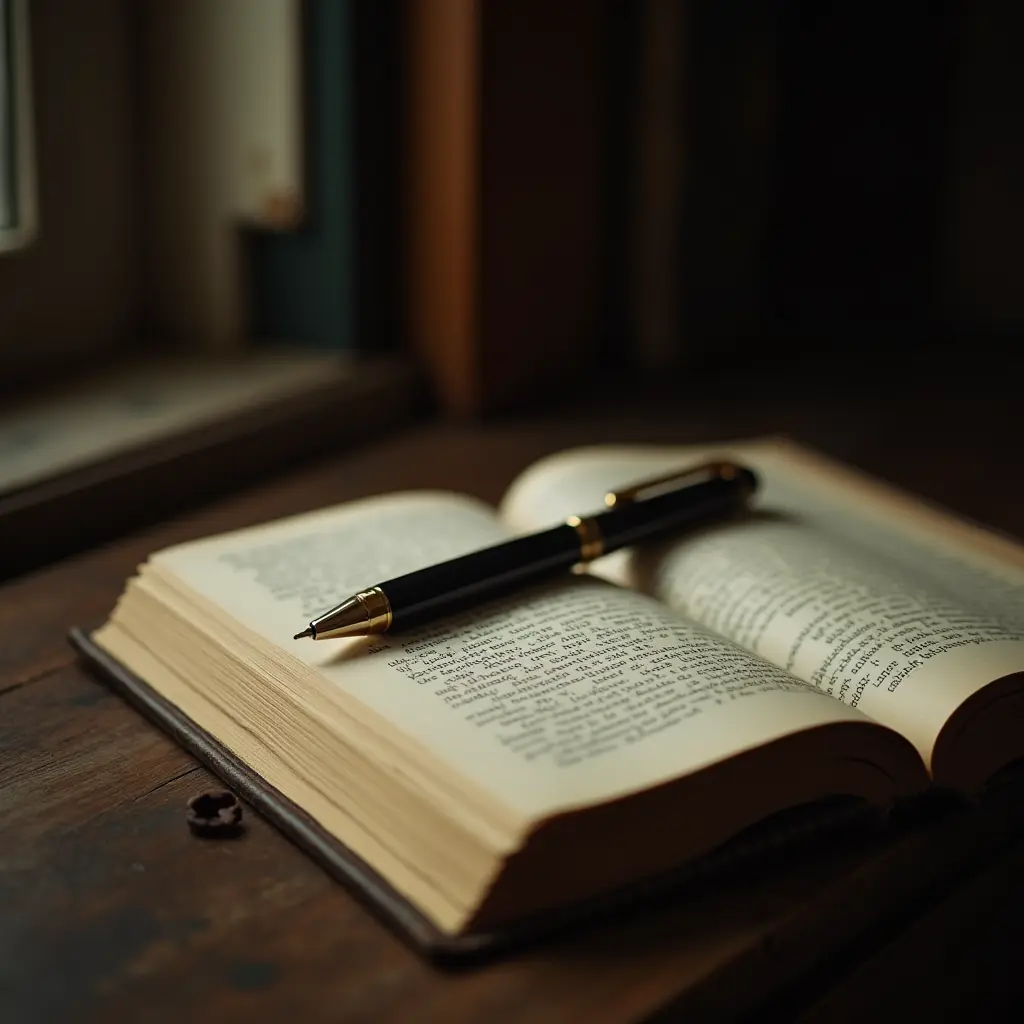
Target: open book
x=582, y=735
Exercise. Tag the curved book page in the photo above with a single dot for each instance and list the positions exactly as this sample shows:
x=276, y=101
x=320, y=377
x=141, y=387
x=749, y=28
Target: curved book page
x=883, y=603
x=551, y=698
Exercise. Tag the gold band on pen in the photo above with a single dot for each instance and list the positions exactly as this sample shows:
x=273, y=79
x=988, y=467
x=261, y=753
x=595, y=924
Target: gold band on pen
x=589, y=533
x=378, y=609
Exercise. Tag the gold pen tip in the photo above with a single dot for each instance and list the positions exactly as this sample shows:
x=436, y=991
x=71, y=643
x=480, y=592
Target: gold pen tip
x=305, y=632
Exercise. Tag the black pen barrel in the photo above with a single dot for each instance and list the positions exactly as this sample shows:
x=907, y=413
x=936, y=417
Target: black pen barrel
x=463, y=582
x=688, y=508
x=475, y=577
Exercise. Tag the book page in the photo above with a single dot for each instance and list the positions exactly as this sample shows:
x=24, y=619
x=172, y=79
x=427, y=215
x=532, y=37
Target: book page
x=549, y=699
x=880, y=601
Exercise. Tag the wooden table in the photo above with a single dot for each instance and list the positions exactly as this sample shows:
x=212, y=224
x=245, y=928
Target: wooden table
x=110, y=909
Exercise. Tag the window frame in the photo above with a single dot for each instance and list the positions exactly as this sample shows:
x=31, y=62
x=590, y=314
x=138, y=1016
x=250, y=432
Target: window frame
x=16, y=97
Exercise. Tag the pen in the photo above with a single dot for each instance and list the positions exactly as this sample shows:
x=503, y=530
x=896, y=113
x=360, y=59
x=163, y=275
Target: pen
x=645, y=511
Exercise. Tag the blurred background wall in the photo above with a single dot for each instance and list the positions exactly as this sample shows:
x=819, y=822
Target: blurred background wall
x=72, y=294
x=519, y=194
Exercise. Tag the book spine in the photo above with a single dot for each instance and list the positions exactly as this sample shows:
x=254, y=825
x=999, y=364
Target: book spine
x=442, y=209
x=504, y=173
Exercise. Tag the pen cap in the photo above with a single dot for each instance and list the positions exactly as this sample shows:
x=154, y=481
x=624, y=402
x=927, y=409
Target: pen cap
x=688, y=507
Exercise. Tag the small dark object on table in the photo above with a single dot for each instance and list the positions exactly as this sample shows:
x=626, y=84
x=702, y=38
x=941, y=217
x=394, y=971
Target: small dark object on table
x=215, y=814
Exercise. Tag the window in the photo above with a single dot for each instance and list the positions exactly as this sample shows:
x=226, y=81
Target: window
x=6, y=126
x=17, y=188
x=99, y=426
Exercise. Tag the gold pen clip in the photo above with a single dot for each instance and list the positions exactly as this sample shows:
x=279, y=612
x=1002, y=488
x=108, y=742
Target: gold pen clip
x=720, y=470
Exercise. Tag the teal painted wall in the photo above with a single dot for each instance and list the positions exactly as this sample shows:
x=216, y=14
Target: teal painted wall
x=302, y=284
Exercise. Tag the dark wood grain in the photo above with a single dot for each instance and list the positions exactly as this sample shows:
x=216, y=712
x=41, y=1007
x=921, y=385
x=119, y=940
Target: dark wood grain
x=958, y=961
x=111, y=910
